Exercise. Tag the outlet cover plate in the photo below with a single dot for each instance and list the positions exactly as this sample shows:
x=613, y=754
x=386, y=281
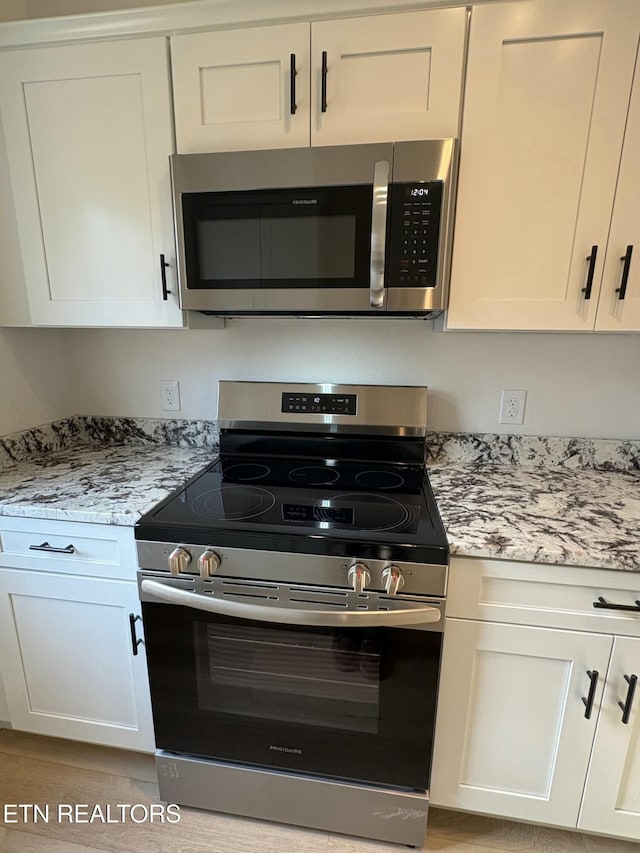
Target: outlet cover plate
x=512, y=405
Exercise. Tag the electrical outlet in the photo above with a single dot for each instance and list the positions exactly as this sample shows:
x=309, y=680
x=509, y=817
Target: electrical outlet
x=512, y=406
x=170, y=392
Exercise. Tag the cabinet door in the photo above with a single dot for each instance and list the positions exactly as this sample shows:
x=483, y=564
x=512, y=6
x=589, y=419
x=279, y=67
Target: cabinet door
x=67, y=659
x=88, y=136
x=233, y=89
x=388, y=77
x=612, y=795
x=511, y=734
x=620, y=311
x=545, y=106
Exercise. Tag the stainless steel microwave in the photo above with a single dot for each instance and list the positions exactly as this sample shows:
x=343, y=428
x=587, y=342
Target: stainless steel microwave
x=345, y=230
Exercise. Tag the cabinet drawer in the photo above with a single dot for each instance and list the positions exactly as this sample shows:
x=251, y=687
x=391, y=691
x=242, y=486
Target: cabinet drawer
x=67, y=547
x=549, y=596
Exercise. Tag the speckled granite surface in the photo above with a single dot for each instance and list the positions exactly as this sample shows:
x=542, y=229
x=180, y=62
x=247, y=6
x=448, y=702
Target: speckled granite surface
x=107, y=485
x=548, y=500
x=580, y=517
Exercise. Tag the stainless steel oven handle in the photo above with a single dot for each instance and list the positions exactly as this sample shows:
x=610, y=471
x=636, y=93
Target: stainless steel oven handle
x=285, y=615
x=378, y=232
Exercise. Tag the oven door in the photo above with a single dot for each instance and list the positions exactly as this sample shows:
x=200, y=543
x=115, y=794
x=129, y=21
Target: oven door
x=354, y=704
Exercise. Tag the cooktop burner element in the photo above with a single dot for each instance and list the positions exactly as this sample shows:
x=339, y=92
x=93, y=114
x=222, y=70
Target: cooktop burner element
x=369, y=512
x=376, y=479
x=247, y=471
x=314, y=475
x=233, y=503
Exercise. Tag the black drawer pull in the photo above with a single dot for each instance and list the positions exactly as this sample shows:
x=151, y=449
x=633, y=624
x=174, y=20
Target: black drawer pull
x=631, y=680
x=592, y=268
x=588, y=702
x=163, y=275
x=135, y=642
x=605, y=605
x=292, y=81
x=323, y=94
x=622, y=290
x=52, y=550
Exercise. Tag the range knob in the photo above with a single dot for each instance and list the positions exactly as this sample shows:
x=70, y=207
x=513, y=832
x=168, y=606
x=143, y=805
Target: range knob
x=179, y=559
x=208, y=563
x=392, y=579
x=359, y=576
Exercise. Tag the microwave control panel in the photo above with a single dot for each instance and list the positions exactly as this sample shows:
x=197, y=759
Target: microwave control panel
x=414, y=229
x=320, y=404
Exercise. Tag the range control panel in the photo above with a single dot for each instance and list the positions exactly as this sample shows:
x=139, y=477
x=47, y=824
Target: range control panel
x=320, y=404
x=414, y=229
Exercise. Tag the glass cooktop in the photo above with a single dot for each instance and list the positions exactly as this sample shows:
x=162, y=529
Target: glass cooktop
x=318, y=506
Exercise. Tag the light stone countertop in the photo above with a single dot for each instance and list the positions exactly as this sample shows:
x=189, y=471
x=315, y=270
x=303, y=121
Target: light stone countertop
x=105, y=485
x=580, y=517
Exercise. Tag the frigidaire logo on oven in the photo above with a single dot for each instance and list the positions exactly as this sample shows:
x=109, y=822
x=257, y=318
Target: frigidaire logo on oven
x=285, y=749
x=304, y=201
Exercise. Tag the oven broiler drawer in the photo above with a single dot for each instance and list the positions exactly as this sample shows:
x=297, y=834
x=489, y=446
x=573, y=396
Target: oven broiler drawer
x=287, y=568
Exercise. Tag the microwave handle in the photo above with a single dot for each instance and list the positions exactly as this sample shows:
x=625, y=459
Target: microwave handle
x=290, y=616
x=378, y=232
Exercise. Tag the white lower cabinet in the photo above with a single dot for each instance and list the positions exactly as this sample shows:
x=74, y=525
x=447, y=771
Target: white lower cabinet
x=611, y=801
x=71, y=660
x=529, y=722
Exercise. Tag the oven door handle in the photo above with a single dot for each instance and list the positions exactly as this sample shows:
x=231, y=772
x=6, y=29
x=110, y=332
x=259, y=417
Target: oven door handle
x=290, y=616
x=378, y=233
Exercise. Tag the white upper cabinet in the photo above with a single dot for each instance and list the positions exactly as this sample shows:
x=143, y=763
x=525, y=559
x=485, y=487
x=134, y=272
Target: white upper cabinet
x=619, y=305
x=242, y=89
x=546, y=102
x=88, y=135
x=387, y=77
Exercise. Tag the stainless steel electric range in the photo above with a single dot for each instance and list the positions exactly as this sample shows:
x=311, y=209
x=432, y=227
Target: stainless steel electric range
x=293, y=599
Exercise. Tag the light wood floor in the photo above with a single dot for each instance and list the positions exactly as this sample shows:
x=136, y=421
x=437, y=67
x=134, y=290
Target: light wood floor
x=45, y=770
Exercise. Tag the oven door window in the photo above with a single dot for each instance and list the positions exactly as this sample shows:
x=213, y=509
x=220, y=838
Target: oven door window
x=304, y=238
x=350, y=704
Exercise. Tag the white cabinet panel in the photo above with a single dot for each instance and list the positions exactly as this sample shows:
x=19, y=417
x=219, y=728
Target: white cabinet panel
x=232, y=89
x=389, y=77
x=615, y=314
x=511, y=733
x=68, y=663
x=612, y=795
x=545, y=107
x=88, y=134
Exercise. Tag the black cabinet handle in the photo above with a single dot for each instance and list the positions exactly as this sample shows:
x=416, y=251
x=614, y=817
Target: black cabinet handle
x=323, y=96
x=52, y=550
x=622, y=290
x=588, y=702
x=592, y=268
x=292, y=82
x=163, y=274
x=601, y=604
x=135, y=642
x=631, y=680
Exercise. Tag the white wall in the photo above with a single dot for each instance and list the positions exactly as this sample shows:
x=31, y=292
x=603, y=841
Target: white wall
x=12, y=10
x=34, y=378
x=577, y=384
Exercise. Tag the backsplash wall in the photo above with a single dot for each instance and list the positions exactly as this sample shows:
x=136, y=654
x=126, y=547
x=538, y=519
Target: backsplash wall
x=35, y=378
x=577, y=384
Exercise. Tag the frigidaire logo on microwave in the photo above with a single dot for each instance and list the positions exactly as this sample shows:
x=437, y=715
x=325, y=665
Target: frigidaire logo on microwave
x=304, y=201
